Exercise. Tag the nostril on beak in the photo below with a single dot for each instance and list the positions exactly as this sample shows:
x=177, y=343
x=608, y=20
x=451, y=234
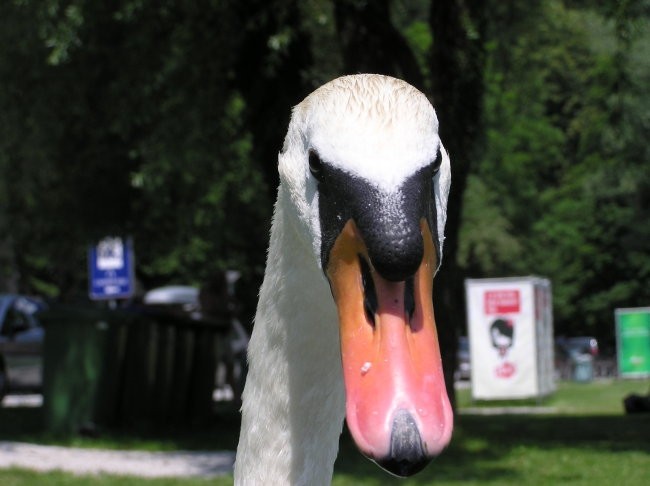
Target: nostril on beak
x=370, y=302
x=409, y=297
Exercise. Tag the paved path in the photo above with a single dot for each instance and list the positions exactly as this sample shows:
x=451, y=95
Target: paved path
x=124, y=463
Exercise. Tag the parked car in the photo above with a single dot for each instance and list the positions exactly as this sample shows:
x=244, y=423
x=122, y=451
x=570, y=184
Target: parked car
x=570, y=347
x=179, y=299
x=214, y=304
x=568, y=350
x=21, y=344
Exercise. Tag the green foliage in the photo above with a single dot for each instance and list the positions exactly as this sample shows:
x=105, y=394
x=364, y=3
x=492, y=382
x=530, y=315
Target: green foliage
x=127, y=125
x=163, y=121
x=562, y=174
x=486, y=243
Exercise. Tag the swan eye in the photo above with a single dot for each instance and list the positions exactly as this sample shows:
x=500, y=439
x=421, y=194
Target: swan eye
x=435, y=166
x=315, y=164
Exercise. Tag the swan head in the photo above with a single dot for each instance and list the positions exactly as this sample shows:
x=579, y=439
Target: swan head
x=368, y=178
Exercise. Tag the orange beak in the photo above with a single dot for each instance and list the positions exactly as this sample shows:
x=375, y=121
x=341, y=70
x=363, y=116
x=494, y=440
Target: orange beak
x=397, y=408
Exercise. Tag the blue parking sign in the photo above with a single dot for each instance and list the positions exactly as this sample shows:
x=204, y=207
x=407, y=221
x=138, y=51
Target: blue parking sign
x=110, y=268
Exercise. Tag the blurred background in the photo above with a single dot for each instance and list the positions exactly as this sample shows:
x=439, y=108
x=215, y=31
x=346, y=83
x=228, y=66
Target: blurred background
x=160, y=123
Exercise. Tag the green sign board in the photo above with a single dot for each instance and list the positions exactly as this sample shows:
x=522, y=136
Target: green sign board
x=633, y=341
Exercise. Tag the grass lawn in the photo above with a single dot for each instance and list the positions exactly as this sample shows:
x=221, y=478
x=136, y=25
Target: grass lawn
x=589, y=441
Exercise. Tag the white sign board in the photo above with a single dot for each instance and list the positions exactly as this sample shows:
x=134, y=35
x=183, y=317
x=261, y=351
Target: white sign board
x=510, y=329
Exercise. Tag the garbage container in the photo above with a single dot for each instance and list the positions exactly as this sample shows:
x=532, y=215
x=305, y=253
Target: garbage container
x=73, y=363
x=126, y=367
x=583, y=368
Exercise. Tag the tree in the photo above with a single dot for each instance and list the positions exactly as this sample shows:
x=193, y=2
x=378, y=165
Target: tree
x=562, y=167
x=164, y=122
x=134, y=128
x=457, y=60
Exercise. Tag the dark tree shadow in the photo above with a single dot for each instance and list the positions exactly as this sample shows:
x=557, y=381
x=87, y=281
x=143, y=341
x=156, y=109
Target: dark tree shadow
x=481, y=440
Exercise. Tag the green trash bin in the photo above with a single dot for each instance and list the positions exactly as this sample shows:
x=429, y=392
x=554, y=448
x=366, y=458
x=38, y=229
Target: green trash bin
x=73, y=366
x=583, y=368
x=126, y=368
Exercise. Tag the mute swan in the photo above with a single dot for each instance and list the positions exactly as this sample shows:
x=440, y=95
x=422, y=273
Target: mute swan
x=344, y=325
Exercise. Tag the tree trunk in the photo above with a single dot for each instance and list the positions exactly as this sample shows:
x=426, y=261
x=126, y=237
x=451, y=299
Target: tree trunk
x=372, y=44
x=457, y=61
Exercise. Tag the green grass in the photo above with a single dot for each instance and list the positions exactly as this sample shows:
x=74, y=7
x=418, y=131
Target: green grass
x=516, y=450
x=16, y=477
x=588, y=442
x=598, y=397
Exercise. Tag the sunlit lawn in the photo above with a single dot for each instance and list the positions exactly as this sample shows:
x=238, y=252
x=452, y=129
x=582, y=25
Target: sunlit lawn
x=589, y=441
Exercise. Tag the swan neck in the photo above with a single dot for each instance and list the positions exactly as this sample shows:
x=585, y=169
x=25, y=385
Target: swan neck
x=293, y=402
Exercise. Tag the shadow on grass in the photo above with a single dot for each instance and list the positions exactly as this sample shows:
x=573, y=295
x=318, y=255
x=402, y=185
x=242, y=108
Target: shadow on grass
x=219, y=432
x=19, y=423
x=461, y=461
x=480, y=444
x=479, y=452
x=597, y=431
